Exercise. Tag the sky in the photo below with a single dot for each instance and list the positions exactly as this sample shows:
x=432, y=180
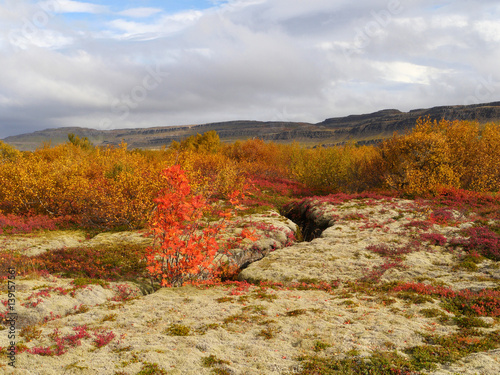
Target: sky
x=145, y=63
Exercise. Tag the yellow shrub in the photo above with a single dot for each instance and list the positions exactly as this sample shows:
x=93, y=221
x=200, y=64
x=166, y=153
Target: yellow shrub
x=460, y=154
x=419, y=162
x=345, y=168
x=106, y=188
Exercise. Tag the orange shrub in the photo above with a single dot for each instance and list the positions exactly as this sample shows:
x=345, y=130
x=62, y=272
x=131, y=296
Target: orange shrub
x=418, y=163
x=262, y=158
x=186, y=244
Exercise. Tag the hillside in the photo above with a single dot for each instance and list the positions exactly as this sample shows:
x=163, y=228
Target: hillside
x=365, y=129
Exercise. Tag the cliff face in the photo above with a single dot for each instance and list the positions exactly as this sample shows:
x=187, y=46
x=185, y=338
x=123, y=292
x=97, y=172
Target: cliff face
x=388, y=121
x=365, y=129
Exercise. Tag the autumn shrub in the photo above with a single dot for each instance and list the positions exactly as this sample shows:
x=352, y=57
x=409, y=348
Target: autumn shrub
x=187, y=232
x=14, y=224
x=484, y=174
x=348, y=168
x=122, y=190
x=212, y=173
x=8, y=153
x=107, y=262
x=101, y=188
x=273, y=192
x=419, y=162
x=482, y=240
x=263, y=159
x=208, y=142
x=443, y=154
x=267, y=169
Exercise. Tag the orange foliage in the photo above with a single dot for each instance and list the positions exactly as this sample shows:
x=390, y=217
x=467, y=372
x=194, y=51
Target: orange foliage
x=186, y=244
x=257, y=157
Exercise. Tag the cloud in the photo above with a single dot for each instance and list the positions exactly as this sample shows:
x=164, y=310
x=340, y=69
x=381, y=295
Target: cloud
x=164, y=25
x=489, y=30
x=140, y=12
x=69, y=6
x=240, y=59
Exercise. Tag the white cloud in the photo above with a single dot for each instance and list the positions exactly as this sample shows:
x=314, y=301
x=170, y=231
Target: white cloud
x=140, y=12
x=404, y=72
x=242, y=59
x=69, y=6
x=449, y=21
x=489, y=30
x=165, y=25
x=42, y=38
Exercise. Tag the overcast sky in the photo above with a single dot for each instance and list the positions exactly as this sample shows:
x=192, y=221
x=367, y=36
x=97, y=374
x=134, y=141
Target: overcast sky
x=143, y=63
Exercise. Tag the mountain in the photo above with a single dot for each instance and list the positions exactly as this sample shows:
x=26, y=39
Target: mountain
x=365, y=129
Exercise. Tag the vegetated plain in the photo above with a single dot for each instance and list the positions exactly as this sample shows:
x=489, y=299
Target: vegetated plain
x=399, y=273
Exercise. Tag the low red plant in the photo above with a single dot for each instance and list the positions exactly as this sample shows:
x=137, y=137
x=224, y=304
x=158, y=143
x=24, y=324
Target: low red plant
x=420, y=224
x=116, y=263
x=61, y=343
x=441, y=216
x=482, y=240
x=124, y=293
x=483, y=303
x=374, y=275
x=434, y=238
x=103, y=338
x=14, y=224
x=394, y=252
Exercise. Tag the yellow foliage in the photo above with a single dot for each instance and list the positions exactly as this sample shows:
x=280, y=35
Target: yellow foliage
x=113, y=186
x=208, y=142
x=212, y=172
x=332, y=169
x=460, y=154
x=7, y=152
x=106, y=188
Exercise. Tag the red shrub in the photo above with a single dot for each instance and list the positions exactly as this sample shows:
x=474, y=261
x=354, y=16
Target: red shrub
x=483, y=303
x=441, y=216
x=186, y=243
x=434, y=238
x=420, y=224
x=386, y=251
x=484, y=241
x=103, y=338
x=13, y=224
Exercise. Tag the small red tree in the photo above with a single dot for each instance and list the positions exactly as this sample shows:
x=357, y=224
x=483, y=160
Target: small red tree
x=185, y=241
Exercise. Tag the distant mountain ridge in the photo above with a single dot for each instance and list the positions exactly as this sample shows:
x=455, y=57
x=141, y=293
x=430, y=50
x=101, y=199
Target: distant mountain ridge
x=364, y=129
